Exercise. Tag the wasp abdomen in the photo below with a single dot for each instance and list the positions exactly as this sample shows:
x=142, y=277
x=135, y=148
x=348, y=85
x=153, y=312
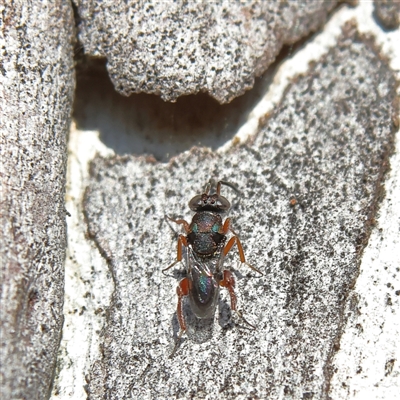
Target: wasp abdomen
x=203, y=294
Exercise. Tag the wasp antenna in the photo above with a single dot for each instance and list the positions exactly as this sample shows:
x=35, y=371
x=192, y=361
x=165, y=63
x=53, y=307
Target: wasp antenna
x=209, y=185
x=218, y=188
x=231, y=185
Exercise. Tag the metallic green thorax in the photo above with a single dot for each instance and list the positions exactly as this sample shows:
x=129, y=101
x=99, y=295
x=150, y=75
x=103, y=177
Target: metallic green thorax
x=206, y=233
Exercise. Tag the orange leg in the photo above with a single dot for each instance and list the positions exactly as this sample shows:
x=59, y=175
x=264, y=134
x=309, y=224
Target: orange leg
x=229, y=245
x=226, y=226
x=229, y=282
x=181, y=240
x=182, y=290
x=180, y=222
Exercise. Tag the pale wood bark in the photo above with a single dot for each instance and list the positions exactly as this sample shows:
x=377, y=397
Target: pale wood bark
x=37, y=83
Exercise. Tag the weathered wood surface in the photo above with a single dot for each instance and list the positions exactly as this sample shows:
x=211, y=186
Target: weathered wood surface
x=178, y=48
x=324, y=149
x=387, y=12
x=37, y=82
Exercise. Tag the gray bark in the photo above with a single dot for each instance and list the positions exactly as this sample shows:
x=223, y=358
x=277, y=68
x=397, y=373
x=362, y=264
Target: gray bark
x=312, y=181
x=387, y=12
x=37, y=83
x=174, y=49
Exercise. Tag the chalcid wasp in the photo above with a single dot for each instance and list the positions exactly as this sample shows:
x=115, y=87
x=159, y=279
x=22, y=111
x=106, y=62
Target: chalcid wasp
x=207, y=245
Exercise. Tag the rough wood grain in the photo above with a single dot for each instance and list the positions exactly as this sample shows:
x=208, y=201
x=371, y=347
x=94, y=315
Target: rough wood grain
x=37, y=83
x=312, y=181
x=177, y=48
x=387, y=12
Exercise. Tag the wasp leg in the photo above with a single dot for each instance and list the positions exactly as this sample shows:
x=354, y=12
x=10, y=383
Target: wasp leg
x=228, y=282
x=182, y=290
x=226, y=226
x=181, y=240
x=180, y=222
x=232, y=241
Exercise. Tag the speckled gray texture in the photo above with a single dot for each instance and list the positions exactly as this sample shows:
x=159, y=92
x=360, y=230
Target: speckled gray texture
x=387, y=13
x=311, y=182
x=37, y=85
x=174, y=49
x=145, y=124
